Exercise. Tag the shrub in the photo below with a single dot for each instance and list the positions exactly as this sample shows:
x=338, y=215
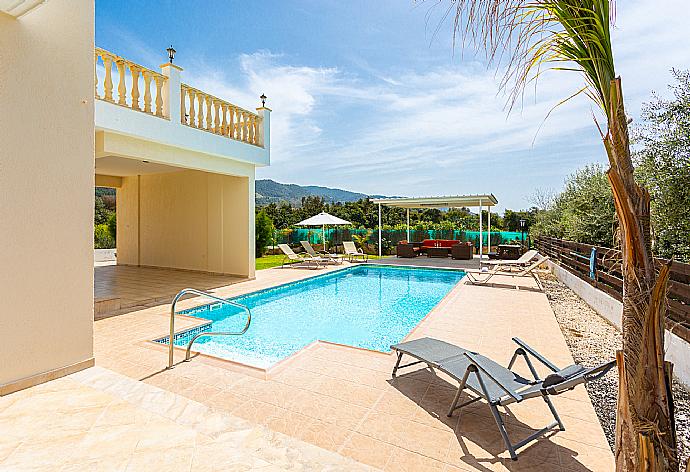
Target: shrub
x=112, y=226
x=102, y=238
x=264, y=232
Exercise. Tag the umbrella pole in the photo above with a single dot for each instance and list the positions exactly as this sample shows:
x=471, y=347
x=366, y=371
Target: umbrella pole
x=323, y=236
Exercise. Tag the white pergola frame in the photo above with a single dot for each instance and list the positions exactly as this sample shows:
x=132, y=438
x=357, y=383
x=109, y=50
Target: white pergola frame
x=456, y=201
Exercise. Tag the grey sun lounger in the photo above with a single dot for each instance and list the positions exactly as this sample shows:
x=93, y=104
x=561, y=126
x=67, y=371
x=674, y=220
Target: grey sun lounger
x=473, y=275
x=522, y=261
x=498, y=385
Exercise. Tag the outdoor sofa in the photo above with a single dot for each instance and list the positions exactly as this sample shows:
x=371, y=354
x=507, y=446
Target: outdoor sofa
x=436, y=248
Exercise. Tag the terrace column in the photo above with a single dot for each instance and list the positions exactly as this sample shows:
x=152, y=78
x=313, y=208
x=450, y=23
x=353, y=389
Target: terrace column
x=379, y=230
x=172, y=93
x=264, y=138
x=408, y=225
x=489, y=225
x=481, y=236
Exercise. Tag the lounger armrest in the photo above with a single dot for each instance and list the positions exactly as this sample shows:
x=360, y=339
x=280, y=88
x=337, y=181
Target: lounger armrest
x=585, y=376
x=535, y=354
x=486, y=371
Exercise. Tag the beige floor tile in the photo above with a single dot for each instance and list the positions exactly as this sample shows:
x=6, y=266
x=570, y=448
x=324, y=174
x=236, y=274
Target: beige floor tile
x=367, y=450
x=405, y=461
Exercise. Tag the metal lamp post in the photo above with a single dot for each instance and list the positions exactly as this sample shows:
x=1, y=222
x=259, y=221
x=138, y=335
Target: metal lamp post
x=522, y=228
x=171, y=53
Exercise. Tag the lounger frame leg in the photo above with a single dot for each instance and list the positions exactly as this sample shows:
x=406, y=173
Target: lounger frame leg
x=461, y=387
x=521, y=352
x=397, y=364
x=497, y=417
x=554, y=413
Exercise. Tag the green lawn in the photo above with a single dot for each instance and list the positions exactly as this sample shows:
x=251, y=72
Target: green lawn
x=266, y=262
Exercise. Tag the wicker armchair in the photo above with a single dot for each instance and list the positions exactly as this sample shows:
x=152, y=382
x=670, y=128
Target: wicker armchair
x=462, y=251
x=406, y=250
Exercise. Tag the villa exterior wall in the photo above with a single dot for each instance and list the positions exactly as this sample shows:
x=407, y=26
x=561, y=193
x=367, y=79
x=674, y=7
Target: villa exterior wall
x=47, y=179
x=187, y=220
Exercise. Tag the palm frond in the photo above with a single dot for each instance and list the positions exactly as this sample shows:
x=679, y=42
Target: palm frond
x=532, y=36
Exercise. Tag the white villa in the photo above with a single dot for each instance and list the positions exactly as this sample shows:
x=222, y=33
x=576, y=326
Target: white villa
x=182, y=161
x=102, y=369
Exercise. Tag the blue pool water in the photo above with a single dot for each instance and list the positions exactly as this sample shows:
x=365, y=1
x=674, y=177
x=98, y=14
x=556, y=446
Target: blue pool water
x=365, y=306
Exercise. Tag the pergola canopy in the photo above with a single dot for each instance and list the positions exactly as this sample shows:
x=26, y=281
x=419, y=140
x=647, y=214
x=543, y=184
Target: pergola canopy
x=455, y=201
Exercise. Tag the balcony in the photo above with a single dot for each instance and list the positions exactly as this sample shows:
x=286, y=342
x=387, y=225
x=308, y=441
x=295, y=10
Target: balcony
x=178, y=122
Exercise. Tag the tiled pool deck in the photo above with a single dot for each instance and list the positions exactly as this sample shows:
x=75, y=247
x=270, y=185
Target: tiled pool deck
x=338, y=398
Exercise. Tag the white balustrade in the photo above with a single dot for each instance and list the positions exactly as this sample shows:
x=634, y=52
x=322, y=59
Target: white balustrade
x=204, y=111
x=125, y=83
x=131, y=80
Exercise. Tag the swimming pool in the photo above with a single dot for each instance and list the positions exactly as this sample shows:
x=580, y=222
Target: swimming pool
x=369, y=306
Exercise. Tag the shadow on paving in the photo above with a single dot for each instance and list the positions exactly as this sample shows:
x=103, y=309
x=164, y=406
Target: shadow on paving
x=476, y=430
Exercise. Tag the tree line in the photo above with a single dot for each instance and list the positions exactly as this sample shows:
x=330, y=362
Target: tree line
x=584, y=211
x=363, y=214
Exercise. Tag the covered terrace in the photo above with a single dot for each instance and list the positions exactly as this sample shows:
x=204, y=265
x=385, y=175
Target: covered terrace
x=455, y=201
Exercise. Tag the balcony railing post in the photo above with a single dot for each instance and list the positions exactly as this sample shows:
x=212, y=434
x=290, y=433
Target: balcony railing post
x=171, y=92
x=264, y=129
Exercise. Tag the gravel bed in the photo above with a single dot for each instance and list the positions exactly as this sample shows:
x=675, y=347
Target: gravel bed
x=592, y=340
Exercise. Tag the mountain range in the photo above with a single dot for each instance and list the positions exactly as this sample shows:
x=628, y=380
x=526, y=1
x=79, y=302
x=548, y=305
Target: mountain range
x=270, y=191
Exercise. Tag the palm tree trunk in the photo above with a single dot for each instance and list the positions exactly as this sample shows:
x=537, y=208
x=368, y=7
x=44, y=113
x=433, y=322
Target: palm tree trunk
x=645, y=436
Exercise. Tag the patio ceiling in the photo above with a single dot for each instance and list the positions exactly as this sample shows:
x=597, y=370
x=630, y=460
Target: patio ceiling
x=455, y=201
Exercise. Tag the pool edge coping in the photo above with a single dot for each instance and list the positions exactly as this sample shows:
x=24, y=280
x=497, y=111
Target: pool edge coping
x=282, y=364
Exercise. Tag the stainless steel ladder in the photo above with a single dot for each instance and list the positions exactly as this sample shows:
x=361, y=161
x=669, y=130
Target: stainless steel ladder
x=186, y=291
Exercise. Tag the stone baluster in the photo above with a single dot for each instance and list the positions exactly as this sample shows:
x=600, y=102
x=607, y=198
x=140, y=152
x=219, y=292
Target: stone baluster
x=135, y=86
x=183, y=105
x=245, y=128
x=159, y=94
x=121, y=87
x=209, y=118
x=224, y=123
x=192, y=116
x=95, y=76
x=202, y=99
x=216, y=121
x=252, y=129
x=231, y=122
x=239, y=126
x=147, y=90
x=108, y=79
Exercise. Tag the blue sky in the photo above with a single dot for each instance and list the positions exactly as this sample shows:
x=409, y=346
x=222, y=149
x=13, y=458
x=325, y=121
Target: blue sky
x=369, y=96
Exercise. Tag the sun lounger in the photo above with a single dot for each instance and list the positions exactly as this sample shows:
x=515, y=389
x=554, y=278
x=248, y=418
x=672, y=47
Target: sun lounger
x=299, y=260
x=529, y=271
x=353, y=253
x=325, y=257
x=495, y=384
x=523, y=260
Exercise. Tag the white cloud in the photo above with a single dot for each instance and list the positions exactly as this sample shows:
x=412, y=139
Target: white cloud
x=443, y=129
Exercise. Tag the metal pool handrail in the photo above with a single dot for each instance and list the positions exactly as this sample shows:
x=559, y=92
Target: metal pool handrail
x=185, y=291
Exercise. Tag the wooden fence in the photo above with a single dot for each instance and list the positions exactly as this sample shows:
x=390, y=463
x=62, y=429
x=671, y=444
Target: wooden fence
x=603, y=271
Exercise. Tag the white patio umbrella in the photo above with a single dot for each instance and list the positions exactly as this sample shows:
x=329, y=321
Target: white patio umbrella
x=323, y=219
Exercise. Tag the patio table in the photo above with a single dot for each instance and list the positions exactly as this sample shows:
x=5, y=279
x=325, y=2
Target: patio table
x=437, y=251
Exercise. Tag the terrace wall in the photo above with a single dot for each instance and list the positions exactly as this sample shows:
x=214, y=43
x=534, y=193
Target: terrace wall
x=188, y=220
x=47, y=179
